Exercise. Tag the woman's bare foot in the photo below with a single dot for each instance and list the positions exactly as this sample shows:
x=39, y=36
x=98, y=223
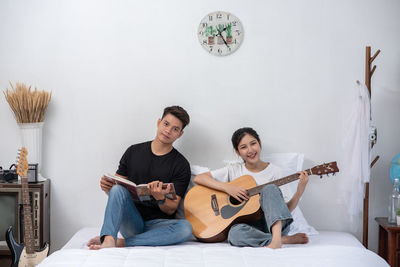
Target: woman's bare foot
x=299, y=238
x=95, y=241
x=276, y=241
x=275, y=244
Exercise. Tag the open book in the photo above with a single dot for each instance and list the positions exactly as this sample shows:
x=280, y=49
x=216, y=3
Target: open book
x=140, y=192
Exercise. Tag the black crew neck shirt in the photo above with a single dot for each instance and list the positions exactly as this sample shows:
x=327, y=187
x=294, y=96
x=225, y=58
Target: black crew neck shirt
x=142, y=166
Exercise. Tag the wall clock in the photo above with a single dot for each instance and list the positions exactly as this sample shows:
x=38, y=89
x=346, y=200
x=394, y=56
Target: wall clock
x=220, y=33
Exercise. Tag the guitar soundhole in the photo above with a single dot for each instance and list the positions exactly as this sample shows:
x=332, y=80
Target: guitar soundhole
x=234, y=201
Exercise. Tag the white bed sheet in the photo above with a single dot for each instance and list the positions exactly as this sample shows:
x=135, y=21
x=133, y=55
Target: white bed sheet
x=326, y=249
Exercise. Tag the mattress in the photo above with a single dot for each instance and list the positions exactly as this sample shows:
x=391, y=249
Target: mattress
x=325, y=249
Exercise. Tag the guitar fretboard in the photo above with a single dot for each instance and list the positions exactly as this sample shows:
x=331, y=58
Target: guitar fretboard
x=28, y=230
x=285, y=180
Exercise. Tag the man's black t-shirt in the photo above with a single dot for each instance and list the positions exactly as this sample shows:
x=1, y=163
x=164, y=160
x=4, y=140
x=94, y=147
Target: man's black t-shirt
x=141, y=166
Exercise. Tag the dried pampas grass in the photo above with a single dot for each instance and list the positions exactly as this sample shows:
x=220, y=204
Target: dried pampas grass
x=28, y=106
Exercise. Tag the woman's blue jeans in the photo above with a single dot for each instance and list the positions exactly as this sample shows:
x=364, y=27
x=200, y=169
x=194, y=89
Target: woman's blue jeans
x=122, y=215
x=258, y=233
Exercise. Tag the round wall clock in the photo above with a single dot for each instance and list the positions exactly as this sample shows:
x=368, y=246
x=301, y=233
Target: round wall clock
x=220, y=33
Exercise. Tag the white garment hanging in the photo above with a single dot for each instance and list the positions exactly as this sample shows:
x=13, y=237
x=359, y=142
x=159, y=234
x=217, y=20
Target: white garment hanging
x=355, y=169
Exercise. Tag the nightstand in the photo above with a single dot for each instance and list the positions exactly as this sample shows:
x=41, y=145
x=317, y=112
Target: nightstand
x=39, y=194
x=389, y=241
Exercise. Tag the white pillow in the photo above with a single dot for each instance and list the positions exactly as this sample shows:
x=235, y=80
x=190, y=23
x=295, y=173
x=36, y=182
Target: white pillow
x=195, y=170
x=289, y=163
x=300, y=224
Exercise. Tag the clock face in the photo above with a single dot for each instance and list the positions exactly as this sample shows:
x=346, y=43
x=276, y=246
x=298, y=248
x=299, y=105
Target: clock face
x=220, y=33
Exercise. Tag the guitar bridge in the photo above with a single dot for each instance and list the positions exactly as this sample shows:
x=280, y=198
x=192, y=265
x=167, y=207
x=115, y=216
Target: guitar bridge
x=214, y=204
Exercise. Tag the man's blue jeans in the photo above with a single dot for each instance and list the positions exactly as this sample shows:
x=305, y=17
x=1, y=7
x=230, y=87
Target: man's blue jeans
x=122, y=215
x=258, y=233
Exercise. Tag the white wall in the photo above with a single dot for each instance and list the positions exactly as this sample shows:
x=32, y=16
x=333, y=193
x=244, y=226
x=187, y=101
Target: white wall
x=113, y=65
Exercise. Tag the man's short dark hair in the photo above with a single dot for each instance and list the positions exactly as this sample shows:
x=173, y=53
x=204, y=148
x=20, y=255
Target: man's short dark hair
x=178, y=112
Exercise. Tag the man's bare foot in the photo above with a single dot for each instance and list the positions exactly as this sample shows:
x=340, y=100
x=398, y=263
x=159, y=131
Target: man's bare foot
x=108, y=242
x=299, y=238
x=96, y=241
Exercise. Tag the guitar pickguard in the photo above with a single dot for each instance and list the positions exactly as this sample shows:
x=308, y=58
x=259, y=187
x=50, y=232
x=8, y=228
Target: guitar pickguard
x=31, y=260
x=229, y=211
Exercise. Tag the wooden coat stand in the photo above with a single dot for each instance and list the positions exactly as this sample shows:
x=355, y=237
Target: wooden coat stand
x=368, y=74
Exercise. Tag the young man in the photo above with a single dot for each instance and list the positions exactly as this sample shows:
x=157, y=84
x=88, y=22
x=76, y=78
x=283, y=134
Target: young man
x=153, y=163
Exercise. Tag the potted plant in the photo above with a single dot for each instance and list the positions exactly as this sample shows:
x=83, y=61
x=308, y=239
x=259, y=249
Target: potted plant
x=229, y=33
x=220, y=29
x=29, y=107
x=210, y=33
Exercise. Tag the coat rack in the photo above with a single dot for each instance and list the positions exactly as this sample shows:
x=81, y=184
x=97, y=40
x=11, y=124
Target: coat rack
x=368, y=74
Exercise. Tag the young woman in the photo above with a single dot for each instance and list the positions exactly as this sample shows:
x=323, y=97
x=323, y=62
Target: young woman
x=270, y=231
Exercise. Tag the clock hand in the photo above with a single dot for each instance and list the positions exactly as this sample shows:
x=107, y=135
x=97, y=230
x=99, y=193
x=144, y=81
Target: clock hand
x=219, y=33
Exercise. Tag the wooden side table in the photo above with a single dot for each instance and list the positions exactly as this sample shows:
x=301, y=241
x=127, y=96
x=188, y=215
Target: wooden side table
x=389, y=241
x=40, y=201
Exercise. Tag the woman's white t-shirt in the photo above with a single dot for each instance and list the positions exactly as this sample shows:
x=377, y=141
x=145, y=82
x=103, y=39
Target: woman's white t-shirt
x=234, y=170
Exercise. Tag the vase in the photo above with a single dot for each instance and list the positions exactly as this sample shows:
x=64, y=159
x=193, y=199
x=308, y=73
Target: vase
x=31, y=134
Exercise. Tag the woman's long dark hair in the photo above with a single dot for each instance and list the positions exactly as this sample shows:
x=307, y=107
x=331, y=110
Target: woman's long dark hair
x=240, y=133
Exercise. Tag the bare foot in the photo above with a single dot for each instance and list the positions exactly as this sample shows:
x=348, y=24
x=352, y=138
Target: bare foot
x=108, y=242
x=299, y=238
x=96, y=241
x=276, y=231
x=275, y=244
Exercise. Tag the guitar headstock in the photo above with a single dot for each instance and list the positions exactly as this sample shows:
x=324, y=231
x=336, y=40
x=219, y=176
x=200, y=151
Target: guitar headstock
x=22, y=165
x=325, y=168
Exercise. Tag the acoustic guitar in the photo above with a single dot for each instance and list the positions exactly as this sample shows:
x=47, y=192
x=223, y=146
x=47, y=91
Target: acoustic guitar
x=24, y=255
x=212, y=212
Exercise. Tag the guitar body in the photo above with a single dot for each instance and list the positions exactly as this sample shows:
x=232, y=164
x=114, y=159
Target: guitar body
x=213, y=224
x=15, y=248
x=20, y=258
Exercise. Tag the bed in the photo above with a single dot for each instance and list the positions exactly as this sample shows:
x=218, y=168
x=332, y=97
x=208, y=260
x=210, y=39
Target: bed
x=325, y=248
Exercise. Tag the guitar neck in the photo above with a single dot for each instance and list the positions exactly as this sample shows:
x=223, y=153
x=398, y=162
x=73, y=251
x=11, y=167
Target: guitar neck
x=28, y=230
x=285, y=180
